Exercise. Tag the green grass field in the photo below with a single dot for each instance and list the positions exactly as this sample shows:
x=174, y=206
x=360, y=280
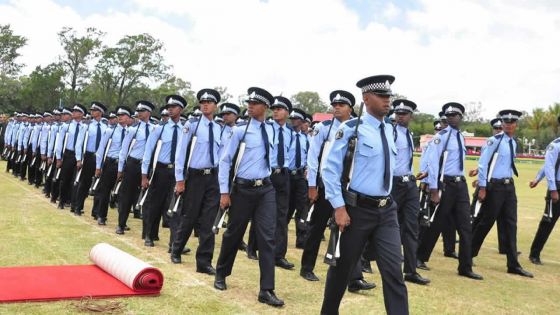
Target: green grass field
x=35, y=232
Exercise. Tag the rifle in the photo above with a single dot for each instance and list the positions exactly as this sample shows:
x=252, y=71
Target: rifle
x=77, y=179
x=424, y=205
x=350, y=198
x=63, y=151
x=178, y=199
x=443, y=161
x=237, y=157
x=97, y=179
x=144, y=192
x=477, y=203
x=547, y=216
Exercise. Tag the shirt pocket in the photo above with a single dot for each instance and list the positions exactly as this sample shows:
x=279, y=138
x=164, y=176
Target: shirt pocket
x=369, y=148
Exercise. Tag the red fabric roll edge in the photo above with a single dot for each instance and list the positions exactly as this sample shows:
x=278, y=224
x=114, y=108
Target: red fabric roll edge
x=149, y=279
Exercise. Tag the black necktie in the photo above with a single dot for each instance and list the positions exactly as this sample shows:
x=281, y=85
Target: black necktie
x=173, y=144
x=512, y=155
x=266, y=144
x=460, y=146
x=98, y=136
x=387, y=171
x=211, y=142
x=122, y=135
x=410, y=147
x=298, y=152
x=280, y=158
x=76, y=135
x=147, y=131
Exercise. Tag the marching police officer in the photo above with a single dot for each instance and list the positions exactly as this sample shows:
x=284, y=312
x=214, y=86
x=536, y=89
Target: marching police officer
x=163, y=176
x=130, y=161
x=66, y=153
x=405, y=191
x=298, y=182
x=106, y=163
x=86, y=159
x=449, y=191
x=199, y=182
x=56, y=129
x=252, y=196
x=497, y=190
x=43, y=142
x=229, y=113
x=364, y=210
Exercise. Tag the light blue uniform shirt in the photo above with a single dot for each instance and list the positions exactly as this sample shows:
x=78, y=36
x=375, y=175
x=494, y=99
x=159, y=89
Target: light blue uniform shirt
x=8, y=133
x=322, y=132
x=201, y=153
x=369, y=162
x=404, y=152
x=286, y=133
x=55, y=129
x=137, y=132
x=550, y=160
x=43, y=141
x=453, y=165
x=166, y=133
x=303, y=146
x=502, y=168
x=24, y=133
x=35, y=137
x=92, y=137
x=15, y=134
x=253, y=163
x=540, y=175
x=115, y=134
x=69, y=129
x=225, y=135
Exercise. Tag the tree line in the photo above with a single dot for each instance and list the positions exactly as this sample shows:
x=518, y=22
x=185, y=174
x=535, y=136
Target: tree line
x=134, y=68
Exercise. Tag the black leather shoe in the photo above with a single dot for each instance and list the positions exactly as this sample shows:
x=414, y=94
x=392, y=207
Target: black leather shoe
x=156, y=238
x=283, y=263
x=101, y=221
x=242, y=246
x=451, y=255
x=148, y=242
x=126, y=228
x=308, y=275
x=61, y=206
x=252, y=255
x=535, y=260
x=422, y=265
x=137, y=215
x=209, y=270
x=366, y=267
x=119, y=230
x=220, y=283
x=470, y=274
x=185, y=251
x=358, y=285
x=416, y=278
x=176, y=259
x=520, y=271
x=268, y=297
x=78, y=212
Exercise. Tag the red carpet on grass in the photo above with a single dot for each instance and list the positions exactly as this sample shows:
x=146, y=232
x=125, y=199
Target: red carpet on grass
x=115, y=273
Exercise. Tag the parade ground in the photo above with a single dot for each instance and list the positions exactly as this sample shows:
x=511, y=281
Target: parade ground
x=34, y=233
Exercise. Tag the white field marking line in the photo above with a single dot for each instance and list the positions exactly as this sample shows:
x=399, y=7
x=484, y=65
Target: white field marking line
x=155, y=258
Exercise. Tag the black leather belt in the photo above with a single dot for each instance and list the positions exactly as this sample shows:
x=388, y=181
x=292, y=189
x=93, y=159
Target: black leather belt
x=299, y=171
x=253, y=182
x=203, y=171
x=503, y=181
x=89, y=153
x=112, y=160
x=453, y=179
x=137, y=161
x=165, y=165
x=366, y=201
x=404, y=178
x=69, y=152
x=280, y=170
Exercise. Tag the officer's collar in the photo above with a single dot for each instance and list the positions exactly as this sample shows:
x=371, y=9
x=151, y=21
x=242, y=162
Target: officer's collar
x=367, y=117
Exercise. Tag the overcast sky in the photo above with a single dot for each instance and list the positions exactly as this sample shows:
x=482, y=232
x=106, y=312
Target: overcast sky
x=502, y=53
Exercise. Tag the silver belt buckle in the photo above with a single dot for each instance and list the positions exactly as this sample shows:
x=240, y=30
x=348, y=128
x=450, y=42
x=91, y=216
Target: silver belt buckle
x=258, y=183
x=405, y=179
x=457, y=179
x=206, y=171
x=382, y=203
x=506, y=181
x=169, y=165
x=277, y=170
x=294, y=172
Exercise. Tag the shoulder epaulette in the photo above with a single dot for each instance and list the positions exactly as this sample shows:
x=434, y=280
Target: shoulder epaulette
x=326, y=122
x=193, y=120
x=352, y=122
x=444, y=131
x=556, y=141
x=242, y=123
x=499, y=136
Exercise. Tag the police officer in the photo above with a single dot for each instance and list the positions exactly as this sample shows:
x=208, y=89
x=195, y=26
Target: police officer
x=199, y=183
x=130, y=161
x=405, y=191
x=323, y=136
x=550, y=172
x=229, y=113
x=446, y=177
x=298, y=182
x=86, y=159
x=370, y=215
x=42, y=151
x=252, y=197
x=23, y=144
x=106, y=163
x=61, y=117
x=65, y=153
x=497, y=190
x=163, y=178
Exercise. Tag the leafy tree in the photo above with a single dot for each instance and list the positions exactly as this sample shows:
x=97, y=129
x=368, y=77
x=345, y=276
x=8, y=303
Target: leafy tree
x=43, y=88
x=309, y=101
x=9, y=46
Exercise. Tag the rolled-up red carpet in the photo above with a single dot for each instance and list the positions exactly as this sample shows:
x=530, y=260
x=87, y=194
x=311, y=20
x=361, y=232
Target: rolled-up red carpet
x=115, y=273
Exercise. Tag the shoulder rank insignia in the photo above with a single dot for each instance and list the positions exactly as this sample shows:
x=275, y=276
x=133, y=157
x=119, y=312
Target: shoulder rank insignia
x=490, y=142
x=315, y=131
x=186, y=129
x=437, y=140
x=339, y=134
x=550, y=147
